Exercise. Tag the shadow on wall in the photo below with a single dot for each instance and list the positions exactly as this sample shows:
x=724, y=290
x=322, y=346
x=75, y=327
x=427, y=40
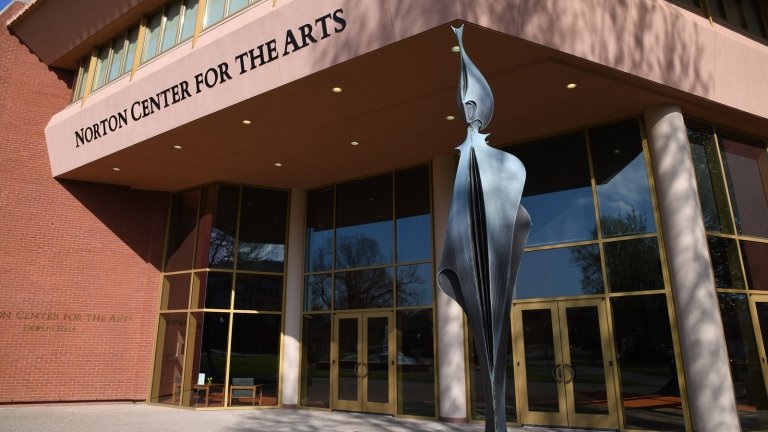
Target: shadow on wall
x=648, y=38
x=136, y=217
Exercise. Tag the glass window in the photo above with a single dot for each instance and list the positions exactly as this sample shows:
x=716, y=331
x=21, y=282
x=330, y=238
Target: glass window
x=414, y=230
x=746, y=372
x=190, y=19
x=622, y=181
x=263, y=215
x=317, y=292
x=560, y=272
x=175, y=293
x=100, y=73
x=746, y=166
x=558, y=191
x=216, y=227
x=259, y=292
x=130, y=53
x=215, y=289
x=755, y=257
x=415, y=363
x=362, y=289
x=743, y=14
x=364, y=229
x=634, y=265
x=214, y=12
x=118, y=51
x=709, y=178
x=180, y=248
x=319, y=248
x=82, y=77
x=414, y=285
x=152, y=36
x=205, y=376
x=254, y=360
x=650, y=390
x=171, y=27
x=725, y=262
x=316, y=361
x=169, y=358
x=690, y=3
x=236, y=5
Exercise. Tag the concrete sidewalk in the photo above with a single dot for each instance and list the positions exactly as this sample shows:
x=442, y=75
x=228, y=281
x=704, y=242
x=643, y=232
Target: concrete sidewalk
x=139, y=417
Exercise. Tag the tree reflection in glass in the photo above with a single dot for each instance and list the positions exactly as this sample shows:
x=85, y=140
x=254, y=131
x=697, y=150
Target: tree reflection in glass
x=709, y=178
x=633, y=265
x=359, y=289
x=317, y=292
x=414, y=285
x=364, y=227
x=621, y=178
x=725, y=262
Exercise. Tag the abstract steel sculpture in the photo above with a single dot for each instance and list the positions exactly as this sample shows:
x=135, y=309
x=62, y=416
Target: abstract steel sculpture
x=487, y=231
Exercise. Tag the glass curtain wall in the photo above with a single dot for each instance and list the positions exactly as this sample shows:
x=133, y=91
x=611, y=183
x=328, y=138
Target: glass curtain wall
x=221, y=307
x=369, y=247
x=731, y=172
x=594, y=235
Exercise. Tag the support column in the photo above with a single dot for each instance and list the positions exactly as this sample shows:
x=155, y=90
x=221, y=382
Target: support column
x=702, y=341
x=450, y=319
x=294, y=286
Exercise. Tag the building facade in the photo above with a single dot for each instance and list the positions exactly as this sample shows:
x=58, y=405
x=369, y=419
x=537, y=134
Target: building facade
x=239, y=204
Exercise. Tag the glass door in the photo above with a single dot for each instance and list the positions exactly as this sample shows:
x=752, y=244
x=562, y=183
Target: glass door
x=760, y=320
x=363, y=362
x=564, y=364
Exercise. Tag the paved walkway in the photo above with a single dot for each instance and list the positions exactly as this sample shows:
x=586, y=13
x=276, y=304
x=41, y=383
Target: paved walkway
x=139, y=417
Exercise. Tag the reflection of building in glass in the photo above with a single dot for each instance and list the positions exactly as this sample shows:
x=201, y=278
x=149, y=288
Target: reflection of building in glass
x=194, y=217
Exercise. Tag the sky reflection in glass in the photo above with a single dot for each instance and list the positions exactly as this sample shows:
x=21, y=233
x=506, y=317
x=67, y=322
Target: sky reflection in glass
x=560, y=272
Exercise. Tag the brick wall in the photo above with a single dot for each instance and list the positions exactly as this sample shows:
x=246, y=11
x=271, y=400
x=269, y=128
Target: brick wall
x=79, y=262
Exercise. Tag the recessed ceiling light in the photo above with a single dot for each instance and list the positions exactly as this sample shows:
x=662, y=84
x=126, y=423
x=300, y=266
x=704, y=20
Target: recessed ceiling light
x=177, y=147
x=246, y=122
x=354, y=143
x=278, y=164
x=571, y=86
x=455, y=48
x=115, y=169
x=450, y=117
x=616, y=151
x=336, y=90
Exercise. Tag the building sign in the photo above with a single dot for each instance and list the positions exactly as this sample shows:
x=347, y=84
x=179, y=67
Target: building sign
x=60, y=322
x=215, y=75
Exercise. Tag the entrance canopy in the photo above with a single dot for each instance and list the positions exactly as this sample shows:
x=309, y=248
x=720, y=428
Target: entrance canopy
x=179, y=121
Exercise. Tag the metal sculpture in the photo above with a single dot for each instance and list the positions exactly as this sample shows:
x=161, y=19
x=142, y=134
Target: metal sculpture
x=487, y=231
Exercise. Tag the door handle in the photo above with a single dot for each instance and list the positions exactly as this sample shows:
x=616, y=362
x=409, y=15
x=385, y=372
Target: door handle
x=573, y=373
x=366, y=370
x=557, y=373
x=357, y=369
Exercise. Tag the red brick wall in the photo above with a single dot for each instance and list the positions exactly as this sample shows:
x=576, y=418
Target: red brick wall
x=79, y=262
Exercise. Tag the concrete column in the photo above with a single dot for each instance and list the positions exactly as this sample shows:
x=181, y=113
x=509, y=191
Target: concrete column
x=705, y=357
x=294, y=286
x=450, y=324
